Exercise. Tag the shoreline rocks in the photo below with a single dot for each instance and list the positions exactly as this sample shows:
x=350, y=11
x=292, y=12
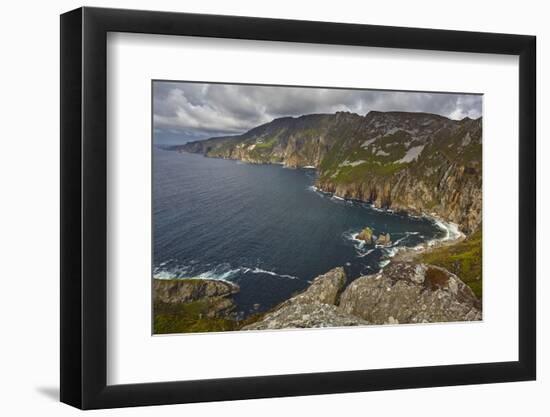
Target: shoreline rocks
x=384, y=240
x=366, y=235
x=315, y=307
x=410, y=293
x=401, y=293
x=216, y=296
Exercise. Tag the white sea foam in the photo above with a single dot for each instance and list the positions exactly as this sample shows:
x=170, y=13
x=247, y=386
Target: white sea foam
x=383, y=263
x=220, y=272
x=401, y=239
x=361, y=248
x=363, y=254
x=452, y=232
x=163, y=275
x=263, y=271
x=224, y=276
x=398, y=241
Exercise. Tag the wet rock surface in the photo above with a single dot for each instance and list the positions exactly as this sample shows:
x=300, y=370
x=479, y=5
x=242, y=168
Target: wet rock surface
x=366, y=235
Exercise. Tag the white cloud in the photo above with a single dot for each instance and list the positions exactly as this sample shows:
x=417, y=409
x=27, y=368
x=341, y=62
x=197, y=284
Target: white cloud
x=201, y=109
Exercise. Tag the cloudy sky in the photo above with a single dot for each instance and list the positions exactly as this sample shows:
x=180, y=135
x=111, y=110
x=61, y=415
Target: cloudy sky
x=190, y=111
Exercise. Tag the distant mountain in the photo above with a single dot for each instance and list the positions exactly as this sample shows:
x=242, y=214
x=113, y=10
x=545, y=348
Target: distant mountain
x=416, y=162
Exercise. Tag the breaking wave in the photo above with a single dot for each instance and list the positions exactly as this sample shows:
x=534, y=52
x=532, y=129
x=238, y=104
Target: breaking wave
x=222, y=272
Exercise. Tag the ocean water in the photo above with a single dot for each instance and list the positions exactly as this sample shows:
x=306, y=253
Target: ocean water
x=263, y=227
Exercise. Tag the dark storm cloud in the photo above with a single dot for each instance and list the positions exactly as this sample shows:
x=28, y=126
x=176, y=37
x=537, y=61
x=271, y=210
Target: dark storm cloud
x=190, y=111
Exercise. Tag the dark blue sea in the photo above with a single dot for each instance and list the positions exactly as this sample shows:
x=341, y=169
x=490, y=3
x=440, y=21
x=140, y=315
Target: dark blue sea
x=263, y=227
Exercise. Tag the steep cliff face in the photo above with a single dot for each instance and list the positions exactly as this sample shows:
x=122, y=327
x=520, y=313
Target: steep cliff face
x=418, y=162
x=294, y=142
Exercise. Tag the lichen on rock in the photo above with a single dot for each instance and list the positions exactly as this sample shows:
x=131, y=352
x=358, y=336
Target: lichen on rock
x=401, y=293
x=366, y=235
x=383, y=239
x=315, y=307
x=410, y=293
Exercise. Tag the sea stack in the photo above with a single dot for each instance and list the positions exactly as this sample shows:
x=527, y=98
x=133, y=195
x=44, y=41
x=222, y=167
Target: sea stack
x=365, y=235
x=384, y=240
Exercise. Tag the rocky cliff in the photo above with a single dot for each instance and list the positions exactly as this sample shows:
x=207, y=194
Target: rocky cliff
x=193, y=305
x=401, y=293
x=416, y=162
x=410, y=293
x=315, y=307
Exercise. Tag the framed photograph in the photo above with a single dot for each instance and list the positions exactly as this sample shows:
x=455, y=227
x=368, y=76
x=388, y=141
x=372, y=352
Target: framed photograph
x=257, y=208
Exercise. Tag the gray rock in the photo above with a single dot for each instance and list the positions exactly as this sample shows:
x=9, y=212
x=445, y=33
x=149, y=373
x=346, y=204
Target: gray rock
x=410, y=293
x=366, y=235
x=325, y=288
x=315, y=307
x=214, y=296
x=185, y=290
x=384, y=240
x=309, y=315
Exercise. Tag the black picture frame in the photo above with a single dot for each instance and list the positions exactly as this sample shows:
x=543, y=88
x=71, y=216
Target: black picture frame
x=84, y=207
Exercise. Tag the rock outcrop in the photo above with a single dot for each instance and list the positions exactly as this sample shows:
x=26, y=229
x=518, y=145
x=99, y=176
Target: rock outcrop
x=401, y=293
x=315, y=307
x=416, y=162
x=410, y=293
x=216, y=296
x=365, y=235
x=384, y=240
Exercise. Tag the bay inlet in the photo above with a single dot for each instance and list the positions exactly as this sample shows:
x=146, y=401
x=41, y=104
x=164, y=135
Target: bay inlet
x=264, y=227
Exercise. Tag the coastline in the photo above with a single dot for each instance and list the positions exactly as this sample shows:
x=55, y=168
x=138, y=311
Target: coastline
x=401, y=254
x=407, y=254
x=194, y=309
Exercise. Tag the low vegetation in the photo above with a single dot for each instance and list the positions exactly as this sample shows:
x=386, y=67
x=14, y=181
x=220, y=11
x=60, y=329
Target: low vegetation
x=192, y=317
x=463, y=259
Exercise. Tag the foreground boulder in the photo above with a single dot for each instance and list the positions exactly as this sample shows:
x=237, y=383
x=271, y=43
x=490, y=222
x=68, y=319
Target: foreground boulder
x=298, y=315
x=402, y=293
x=410, y=293
x=315, y=307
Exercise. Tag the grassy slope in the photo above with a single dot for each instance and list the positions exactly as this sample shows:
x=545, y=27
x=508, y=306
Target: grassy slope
x=463, y=259
x=192, y=318
x=187, y=318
